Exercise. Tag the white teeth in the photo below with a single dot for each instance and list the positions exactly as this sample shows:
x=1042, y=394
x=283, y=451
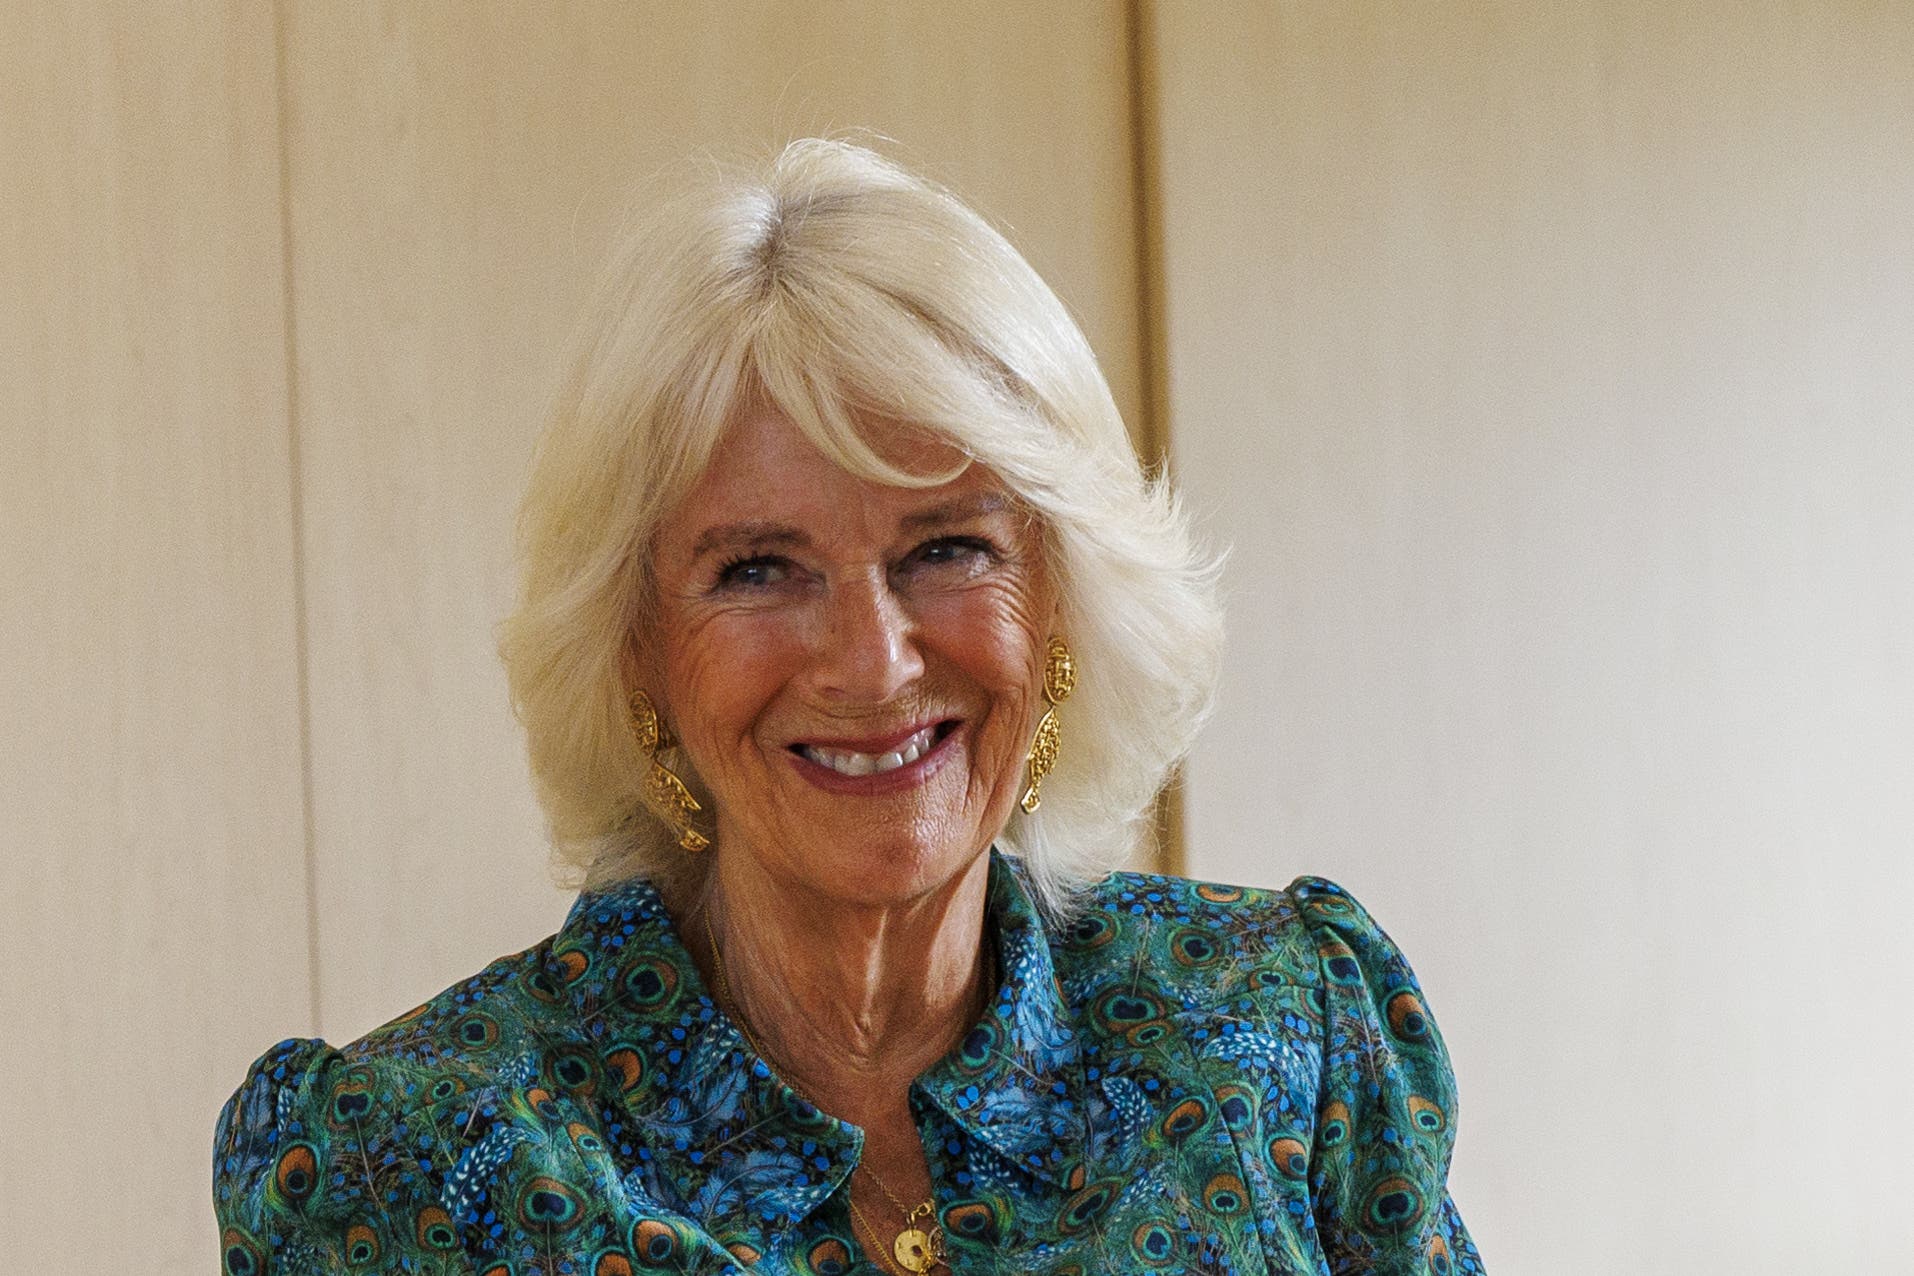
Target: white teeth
x=850, y=762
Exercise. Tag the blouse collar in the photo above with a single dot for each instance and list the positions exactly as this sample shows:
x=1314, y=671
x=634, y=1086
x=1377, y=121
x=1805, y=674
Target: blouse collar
x=710, y=1120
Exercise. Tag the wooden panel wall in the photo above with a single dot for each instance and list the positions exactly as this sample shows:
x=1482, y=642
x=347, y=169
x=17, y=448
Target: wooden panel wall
x=1548, y=371
x=288, y=289
x=455, y=176
x=286, y=295
x=1549, y=368
x=153, y=921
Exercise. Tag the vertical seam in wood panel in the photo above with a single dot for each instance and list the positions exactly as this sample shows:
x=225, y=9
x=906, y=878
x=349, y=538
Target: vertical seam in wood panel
x=1153, y=363
x=1147, y=215
x=296, y=488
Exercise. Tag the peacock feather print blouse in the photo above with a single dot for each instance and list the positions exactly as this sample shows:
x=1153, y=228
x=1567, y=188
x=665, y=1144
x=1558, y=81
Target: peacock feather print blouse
x=1189, y=1078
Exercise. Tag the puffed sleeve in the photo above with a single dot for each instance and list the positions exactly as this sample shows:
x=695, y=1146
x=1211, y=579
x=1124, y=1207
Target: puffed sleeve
x=312, y=1173
x=1386, y=1107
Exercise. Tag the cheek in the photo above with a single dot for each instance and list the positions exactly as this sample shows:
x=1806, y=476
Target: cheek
x=998, y=644
x=720, y=671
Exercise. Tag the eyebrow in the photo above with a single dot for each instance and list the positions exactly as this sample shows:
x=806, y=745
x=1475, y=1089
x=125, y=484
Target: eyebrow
x=754, y=533
x=764, y=534
x=956, y=510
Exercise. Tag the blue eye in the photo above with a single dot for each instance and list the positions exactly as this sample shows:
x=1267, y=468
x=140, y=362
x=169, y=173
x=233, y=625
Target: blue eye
x=758, y=572
x=967, y=551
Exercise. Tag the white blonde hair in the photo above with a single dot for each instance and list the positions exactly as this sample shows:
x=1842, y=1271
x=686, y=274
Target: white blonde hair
x=857, y=298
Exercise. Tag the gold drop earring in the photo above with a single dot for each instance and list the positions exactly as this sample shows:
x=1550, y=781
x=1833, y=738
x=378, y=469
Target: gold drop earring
x=664, y=792
x=1059, y=679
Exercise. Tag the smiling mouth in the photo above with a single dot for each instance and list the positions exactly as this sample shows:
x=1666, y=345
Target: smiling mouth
x=851, y=762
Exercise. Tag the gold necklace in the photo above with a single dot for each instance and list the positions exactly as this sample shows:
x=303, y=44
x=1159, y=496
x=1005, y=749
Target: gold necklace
x=915, y=1249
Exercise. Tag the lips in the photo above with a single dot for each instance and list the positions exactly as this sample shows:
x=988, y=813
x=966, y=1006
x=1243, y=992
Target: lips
x=876, y=756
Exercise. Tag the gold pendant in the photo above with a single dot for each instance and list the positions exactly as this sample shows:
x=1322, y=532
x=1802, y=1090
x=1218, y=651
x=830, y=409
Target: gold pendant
x=912, y=1248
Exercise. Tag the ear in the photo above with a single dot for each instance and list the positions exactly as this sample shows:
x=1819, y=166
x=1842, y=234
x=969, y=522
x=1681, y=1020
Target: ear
x=636, y=666
x=1048, y=573
x=1050, y=608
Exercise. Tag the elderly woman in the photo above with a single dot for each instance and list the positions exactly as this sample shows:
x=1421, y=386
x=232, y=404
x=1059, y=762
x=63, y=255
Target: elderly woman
x=853, y=649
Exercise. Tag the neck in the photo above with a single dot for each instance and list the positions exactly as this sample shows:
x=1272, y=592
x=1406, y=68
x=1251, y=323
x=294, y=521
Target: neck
x=849, y=1001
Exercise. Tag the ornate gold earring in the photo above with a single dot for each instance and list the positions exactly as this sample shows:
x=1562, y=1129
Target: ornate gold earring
x=1059, y=680
x=664, y=792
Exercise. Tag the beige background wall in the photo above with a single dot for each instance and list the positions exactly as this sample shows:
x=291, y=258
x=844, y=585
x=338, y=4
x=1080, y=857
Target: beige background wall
x=1551, y=368
x=451, y=187
x=286, y=298
x=153, y=919
x=1548, y=367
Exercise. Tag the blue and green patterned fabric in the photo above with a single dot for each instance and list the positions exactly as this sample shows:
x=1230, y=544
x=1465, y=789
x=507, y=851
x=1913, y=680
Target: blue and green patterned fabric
x=1189, y=1078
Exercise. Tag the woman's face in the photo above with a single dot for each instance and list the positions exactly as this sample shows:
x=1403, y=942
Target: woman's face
x=853, y=668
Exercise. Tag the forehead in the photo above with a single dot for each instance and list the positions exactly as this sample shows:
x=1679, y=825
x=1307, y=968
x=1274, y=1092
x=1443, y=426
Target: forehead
x=764, y=471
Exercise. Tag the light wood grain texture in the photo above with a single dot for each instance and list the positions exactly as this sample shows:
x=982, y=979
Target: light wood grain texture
x=456, y=173
x=1549, y=368
x=151, y=843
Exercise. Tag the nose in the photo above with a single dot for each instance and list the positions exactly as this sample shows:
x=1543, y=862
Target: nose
x=868, y=650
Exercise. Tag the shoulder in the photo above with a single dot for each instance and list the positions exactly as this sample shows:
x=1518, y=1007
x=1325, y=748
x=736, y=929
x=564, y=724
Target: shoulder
x=462, y=1035
x=1206, y=943
x=1197, y=924
x=1295, y=1012
x=1356, y=953
x=1146, y=947
x=510, y=1004
x=400, y=1104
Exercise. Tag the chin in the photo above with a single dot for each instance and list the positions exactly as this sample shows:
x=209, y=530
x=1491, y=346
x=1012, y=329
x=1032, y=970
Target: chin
x=888, y=870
